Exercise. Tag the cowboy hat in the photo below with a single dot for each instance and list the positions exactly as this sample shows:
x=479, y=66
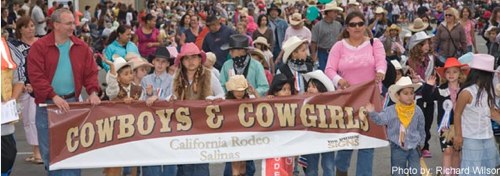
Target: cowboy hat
x=290, y=45
x=396, y=65
x=139, y=62
x=418, y=25
x=353, y=2
x=380, y=10
x=394, y=27
x=190, y=49
x=236, y=41
x=131, y=56
x=402, y=83
x=261, y=40
x=450, y=62
x=418, y=38
x=237, y=83
x=484, y=62
x=332, y=6
x=274, y=7
x=119, y=62
x=162, y=52
x=321, y=77
x=262, y=58
x=296, y=19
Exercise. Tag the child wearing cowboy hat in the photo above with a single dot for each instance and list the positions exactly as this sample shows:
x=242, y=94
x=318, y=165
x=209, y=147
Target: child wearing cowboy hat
x=296, y=62
x=452, y=76
x=405, y=124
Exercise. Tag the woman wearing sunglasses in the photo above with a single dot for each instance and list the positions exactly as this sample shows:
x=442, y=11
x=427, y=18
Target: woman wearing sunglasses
x=355, y=59
x=450, y=39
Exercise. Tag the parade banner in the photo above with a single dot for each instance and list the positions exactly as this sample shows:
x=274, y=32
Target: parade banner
x=114, y=134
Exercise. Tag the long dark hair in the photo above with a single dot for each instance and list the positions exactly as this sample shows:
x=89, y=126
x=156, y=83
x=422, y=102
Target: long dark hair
x=230, y=95
x=319, y=85
x=493, y=18
x=484, y=81
x=259, y=19
x=278, y=82
x=350, y=16
x=181, y=23
x=120, y=30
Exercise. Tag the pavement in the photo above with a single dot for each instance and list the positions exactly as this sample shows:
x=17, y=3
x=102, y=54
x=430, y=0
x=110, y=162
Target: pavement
x=381, y=163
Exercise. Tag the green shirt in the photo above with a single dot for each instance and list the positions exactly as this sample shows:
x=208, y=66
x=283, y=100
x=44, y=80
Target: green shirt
x=63, y=82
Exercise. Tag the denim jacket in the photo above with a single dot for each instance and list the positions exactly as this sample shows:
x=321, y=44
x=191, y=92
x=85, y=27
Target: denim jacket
x=281, y=26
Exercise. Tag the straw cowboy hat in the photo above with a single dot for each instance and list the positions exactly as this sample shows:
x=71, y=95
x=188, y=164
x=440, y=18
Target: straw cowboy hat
x=484, y=62
x=380, y=10
x=450, y=62
x=296, y=19
x=236, y=41
x=332, y=6
x=418, y=25
x=139, y=62
x=394, y=27
x=402, y=83
x=353, y=2
x=120, y=62
x=418, y=38
x=190, y=49
x=321, y=77
x=261, y=40
x=237, y=83
x=259, y=53
x=290, y=45
x=131, y=56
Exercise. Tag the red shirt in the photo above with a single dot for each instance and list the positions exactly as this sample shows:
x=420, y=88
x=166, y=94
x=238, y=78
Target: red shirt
x=43, y=58
x=51, y=10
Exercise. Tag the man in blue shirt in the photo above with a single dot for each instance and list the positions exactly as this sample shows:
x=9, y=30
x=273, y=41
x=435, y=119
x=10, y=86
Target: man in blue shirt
x=218, y=36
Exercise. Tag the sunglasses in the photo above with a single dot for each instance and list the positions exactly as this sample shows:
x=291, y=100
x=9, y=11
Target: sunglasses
x=449, y=15
x=360, y=24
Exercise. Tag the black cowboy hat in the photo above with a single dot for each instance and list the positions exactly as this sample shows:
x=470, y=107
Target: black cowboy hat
x=274, y=7
x=236, y=41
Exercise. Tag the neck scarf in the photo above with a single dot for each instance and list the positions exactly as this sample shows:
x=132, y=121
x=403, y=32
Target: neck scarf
x=239, y=62
x=405, y=113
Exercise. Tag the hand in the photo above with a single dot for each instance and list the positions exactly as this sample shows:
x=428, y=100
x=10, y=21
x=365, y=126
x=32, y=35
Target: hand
x=128, y=100
x=314, y=57
x=151, y=100
x=28, y=88
x=369, y=107
x=61, y=103
x=495, y=115
x=149, y=90
x=457, y=143
x=94, y=99
x=270, y=96
x=379, y=77
x=431, y=80
x=251, y=90
x=149, y=45
x=343, y=84
x=106, y=60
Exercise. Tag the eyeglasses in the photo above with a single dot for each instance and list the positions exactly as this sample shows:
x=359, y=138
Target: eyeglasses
x=360, y=24
x=449, y=15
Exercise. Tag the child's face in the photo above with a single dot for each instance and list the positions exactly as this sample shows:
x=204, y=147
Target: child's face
x=492, y=36
x=258, y=46
x=125, y=76
x=191, y=63
x=140, y=72
x=286, y=90
x=394, y=33
x=452, y=74
x=301, y=52
x=238, y=94
x=160, y=64
x=425, y=46
x=311, y=88
x=406, y=96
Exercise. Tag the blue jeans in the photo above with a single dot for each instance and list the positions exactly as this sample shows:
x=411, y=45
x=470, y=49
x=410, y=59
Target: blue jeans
x=42, y=126
x=323, y=59
x=193, y=170
x=250, y=169
x=364, y=163
x=327, y=164
x=159, y=170
x=469, y=48
x=404, y=161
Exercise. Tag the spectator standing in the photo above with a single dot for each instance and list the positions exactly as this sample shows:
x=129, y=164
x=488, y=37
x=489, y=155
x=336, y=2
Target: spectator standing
x=190, y=35
x=450, y=39
x=325, y=33
x=469, y=29
x=39, y=18
x=279, y=26
x=147, y=37
x=217, y=37
x=119, y=43
x=263, y=30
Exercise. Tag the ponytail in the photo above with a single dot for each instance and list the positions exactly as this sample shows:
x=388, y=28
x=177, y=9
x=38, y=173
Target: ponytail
x=120, y=30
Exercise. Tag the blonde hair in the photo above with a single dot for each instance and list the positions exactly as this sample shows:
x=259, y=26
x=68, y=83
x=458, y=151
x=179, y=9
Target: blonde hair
x=461, y=77
x=211, y=57
x=454, y=12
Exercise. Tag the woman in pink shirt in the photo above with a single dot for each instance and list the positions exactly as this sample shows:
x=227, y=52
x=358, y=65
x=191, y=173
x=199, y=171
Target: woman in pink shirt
x=468, y=24
x=147, y=37
x=353, y=60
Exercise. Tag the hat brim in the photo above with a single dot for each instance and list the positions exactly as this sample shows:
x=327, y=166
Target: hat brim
x=142, y=65
x=412, y=28
x=441, y=70
x=177, y=61
x=333, y=9
x=226, y=47
x=319, y=75
x=419, y=41
x=395, y=88
x=262, y=43
x=295, y=23
x=290, y=49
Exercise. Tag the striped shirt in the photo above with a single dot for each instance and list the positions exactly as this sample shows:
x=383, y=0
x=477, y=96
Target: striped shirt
x=19, y=51
x=415, y=134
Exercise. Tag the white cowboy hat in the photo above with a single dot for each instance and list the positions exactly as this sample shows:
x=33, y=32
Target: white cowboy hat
x=418, y=38
x=296, y=19
x=418, y=25
x=120, y=62
x=321, y=77
x=396, y=64
x=353, y=2
x=402, y=83
x=290, y=45
x=332, y=6
x=379, y=10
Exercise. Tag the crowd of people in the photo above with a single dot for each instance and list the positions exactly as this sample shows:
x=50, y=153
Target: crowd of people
x=194, y=51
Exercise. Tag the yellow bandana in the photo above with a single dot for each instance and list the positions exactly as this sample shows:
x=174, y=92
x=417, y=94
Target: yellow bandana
x=405, y=113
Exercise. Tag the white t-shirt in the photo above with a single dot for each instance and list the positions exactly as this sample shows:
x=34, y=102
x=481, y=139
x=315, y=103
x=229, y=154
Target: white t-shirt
x=129, y=18
x=38, y=16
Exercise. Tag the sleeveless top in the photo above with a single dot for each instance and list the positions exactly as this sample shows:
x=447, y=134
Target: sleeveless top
x=476, y=118
x=144, y=39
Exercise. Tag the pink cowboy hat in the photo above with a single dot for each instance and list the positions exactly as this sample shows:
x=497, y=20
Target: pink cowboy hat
x=190, y=49
x=483, y=62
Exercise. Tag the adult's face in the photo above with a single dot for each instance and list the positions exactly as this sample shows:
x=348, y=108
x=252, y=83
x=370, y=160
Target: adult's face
x=66, y=25
x=191, y=63
x=450, y=17
x=214, y=27
x=274, y=13
x=28, y=31
x=332, y=14
x=125, y=37
x=498, y=16
x=187, y=19
x=152, y=22
x=356, y=27
x=263, y=21
x=194, y=21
